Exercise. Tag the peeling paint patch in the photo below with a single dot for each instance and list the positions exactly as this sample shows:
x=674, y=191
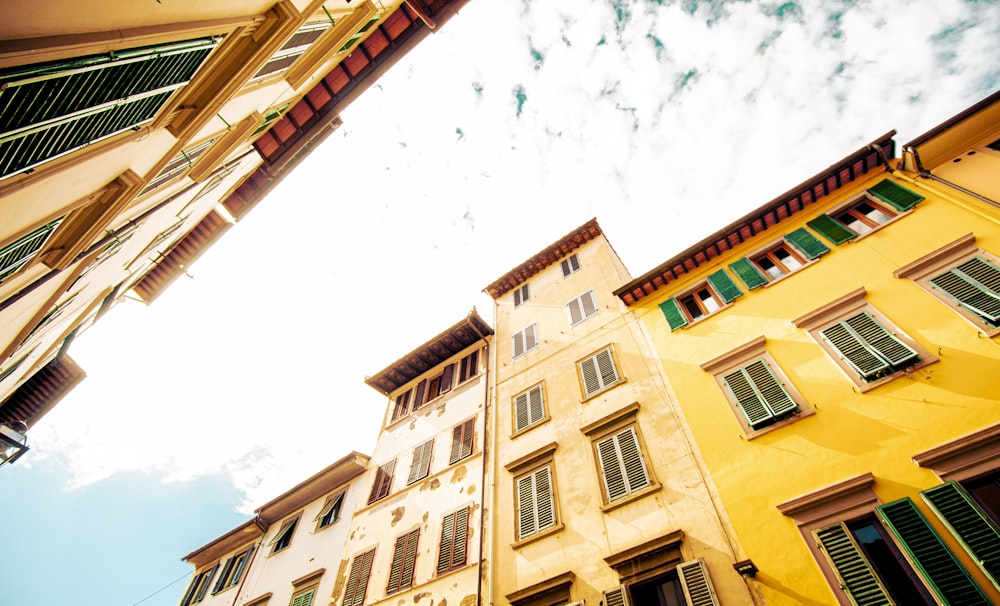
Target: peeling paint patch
x=339, y=580
x=471, y=489
x=469, y=600
x=397, y=515
x=458, y=475
x=421, y=596
x=440, y=409
x=435, y=484
x=426, y=517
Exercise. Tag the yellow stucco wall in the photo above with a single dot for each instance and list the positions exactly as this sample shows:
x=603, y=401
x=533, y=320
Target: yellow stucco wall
x=850, y=432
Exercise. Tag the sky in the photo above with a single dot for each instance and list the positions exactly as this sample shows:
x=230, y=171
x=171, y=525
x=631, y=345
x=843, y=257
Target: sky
x=511, y=126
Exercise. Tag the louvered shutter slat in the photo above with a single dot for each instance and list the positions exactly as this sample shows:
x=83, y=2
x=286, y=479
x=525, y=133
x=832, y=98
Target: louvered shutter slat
x=575, y=315
x=606, y=365
x=856, y=576
x=410, y=559
x=526, y=506
x=611, y=468
x=896, y=195
x=461, y=538
x=748, y=273
x=672, y=312
x=770, y=389
x=975, y=530
x=697, y=584
x=888, y=346
x=831, y=229
x=589, y=304
x=725, y=286
x=807, y=243
x=447, y=545
x=946, y=576
x=522, y=417
x=536, y=407
x=853, y=351
x=751, y=403
x=545, y=501
x=632, y=461
x=530, y=339
x=616, y=597
x=591, y=380
x=975, y=284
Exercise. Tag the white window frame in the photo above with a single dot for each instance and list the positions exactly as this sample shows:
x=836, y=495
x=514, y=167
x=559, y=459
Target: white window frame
x=533, y=403
x=581, y=309
x=522, y=334
x=595, y=360
x=570, y=265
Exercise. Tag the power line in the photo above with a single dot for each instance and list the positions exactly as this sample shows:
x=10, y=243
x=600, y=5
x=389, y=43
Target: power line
x=167, y=586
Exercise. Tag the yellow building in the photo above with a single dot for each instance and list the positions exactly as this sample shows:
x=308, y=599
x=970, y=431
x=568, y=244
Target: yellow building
x=834, y=355
x=132, y=135
x=598, y=497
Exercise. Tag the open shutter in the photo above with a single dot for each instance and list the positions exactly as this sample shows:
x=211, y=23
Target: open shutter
x=696, y=583
x=725, y=286
x=418, y=397
x=617, y=597
x=807, y=243
x=221, y=581
x=896, y=195
x=606, y=366
x=856, y=577
x=446, y=378
x=748, y=273
x=203, y=589
x=831, y=229
x=383, y=482
x=575, y=313
x=974, y=529
x=949, y=580
x=421, y=464
x=672, y=312
x=632, y=461
x=770, y=389
x=888, y=346
x=241, y=566
x=16, y=254
x=461, y=442
x=975, y=284
x=50, y=109
x=357, y=580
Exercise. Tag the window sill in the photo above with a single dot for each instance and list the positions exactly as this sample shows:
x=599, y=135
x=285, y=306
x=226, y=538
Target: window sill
x=525, y=353
x=604, y=390
x=705, y=317
x=772, y=282
x=449, y=572
x=900, y=214
x=537, y=536
x=635, y=496
x=866, y=387
x=542, y=421
x=750, y=434
x=583, y=321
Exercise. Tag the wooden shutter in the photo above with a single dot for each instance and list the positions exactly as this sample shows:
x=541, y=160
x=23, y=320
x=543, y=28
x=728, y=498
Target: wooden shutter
x=241, y=565
x=453, y=548
x=874, y=334
x=16, y=254
x=418, y=397
x=725, y=286
x=447, y=378
x=357, y=579
x=530, y=338
x=304, y=598
x=403, y=557
x=946, y=576
x=53, y=108
x=521, y=295
x=383, y=482
x=462, y=441
x=569, y=265
x=517, y=343
x=672, y=312
x=867, y=346
x=758, y=392
x=977, y=533
x=896, y=195
x=831, y=229
x=617, y=597
x=421, y=464
x=975, y=284
x=529, y=408
x=589, y=303
x=220, y=583
x=582, y=307
x=856, y=577
x=748, y=273
x=622, y=465
x=606, y=366
x=591, y=380
x=807, y=243
x=206, y=581
x=402, y=405
x=697, y=584
x=468, y=367
x=535, y=502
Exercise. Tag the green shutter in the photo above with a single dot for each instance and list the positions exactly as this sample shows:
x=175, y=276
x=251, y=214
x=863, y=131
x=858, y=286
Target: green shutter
x=946, y=576
x=16, y=254
x=725, y=286
x=770, y=388
x=672, y=312
x=807, y=243
x=831, y=229
x=857, y=578
x=975, y=284
x=50, y=109
x=887, y=345
x=304, y=599
x=759, y=394
x=868, y=347
x=748, y=273
x=974, y=529
x=895, y=194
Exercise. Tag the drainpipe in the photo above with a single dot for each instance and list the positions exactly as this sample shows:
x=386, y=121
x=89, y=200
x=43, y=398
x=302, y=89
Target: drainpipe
x=260, y=545
x=482, y=505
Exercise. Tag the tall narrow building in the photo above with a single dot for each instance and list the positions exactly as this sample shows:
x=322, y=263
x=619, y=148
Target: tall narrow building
x=599, y=497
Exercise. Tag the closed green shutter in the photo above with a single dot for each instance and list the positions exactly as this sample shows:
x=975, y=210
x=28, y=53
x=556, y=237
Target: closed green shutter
x=895, y=194
x=868, y=347
x=973, y=528
x=748, y=273
x=725, y=286
x=672, y=312
x=49, y=109
x=856, y=577
x=304, y=599
x=831, y=229
x=888, y=346
x=696, y=583
x=807, y=243
x=759, y=393
x=16, y=254
x=975, y=284
x=949, y=580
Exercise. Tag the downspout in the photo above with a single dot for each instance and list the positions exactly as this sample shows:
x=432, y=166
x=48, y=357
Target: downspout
x=260, y=545
x=926, y=174
x=482, y=505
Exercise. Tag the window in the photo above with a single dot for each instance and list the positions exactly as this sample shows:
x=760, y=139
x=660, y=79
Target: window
x=402, y=406
x=521, y=295
x=623, y=469
x=468, y=367
x=383, y=482
x=598, y=372
x=882, y=204
x=570, y=265
x=581, y=308
x=16, y=255
x=453, y=547
x=525, y=340
x=404, y=555
x=529, y=408
x=971, y=511
x=53, y=108
x=294, y=48
x=284, y=537
x=462, y=441
x=441, y=384
x=303, y=598
x=357, y=579
x=701, y=301
x=232, y=571
x=177, y=166
x=963, y=277
x=199, y=586
x=758, y=392
x=867, y=347
x=779, y=259
x=689, y=583
x=330, y=512
x=421, y=464
x=536, y=507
